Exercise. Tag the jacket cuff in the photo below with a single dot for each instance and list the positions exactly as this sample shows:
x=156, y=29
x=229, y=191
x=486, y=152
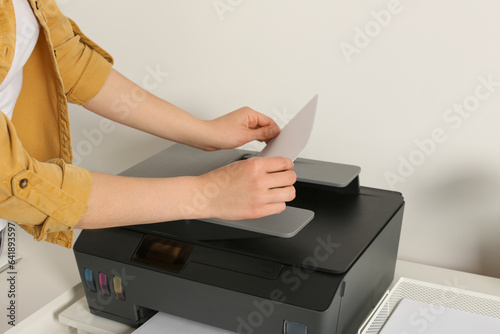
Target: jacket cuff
x=91, y=81
x=63, y=206
x=96, y=72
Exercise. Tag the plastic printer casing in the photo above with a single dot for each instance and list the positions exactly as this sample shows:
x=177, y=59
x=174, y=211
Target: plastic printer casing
x=324, y=279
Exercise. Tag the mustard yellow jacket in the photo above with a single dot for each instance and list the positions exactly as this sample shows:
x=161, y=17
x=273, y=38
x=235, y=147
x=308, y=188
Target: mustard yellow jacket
x=40, y=190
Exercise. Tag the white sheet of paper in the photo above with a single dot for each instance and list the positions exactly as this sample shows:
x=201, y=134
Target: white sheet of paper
x=169, y=324
x=295, y=134
x=415, y=317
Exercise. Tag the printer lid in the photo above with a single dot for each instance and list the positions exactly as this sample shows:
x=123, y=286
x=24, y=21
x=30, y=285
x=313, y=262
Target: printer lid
x=342, y=228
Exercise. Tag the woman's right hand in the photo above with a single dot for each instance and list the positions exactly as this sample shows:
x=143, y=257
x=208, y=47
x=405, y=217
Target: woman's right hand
x=245, y=189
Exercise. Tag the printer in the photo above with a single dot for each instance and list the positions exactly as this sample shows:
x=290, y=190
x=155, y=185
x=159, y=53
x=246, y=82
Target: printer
x=325, y=278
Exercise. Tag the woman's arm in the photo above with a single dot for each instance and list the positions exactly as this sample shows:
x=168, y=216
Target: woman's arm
x=246, y=189
x=123, y=101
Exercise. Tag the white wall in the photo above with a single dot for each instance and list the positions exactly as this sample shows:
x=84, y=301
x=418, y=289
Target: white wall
x=378, y=98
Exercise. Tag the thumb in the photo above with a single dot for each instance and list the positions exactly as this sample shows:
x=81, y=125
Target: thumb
x=266, y=133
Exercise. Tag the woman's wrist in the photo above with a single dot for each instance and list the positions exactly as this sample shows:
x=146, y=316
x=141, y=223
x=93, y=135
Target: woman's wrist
x=205, y=136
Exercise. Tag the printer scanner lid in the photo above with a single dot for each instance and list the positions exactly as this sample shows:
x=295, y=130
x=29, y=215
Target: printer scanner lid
x=342, y=227
x=340, y=231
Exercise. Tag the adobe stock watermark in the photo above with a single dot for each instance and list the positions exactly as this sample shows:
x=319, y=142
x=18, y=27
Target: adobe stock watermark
x=453, y=118
x=28, y=31
x=293, y=278
x=225, y=7
x=364, y=35
x=211, y=189
x=121, y=107
x=9, y=245
x=126, y=103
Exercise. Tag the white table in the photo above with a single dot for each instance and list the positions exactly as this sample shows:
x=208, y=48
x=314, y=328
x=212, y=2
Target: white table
x=46, y=320
x=44, y=272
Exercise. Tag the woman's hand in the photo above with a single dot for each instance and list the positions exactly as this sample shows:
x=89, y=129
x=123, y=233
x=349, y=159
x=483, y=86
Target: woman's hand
x=245, y=189
x=238, y=128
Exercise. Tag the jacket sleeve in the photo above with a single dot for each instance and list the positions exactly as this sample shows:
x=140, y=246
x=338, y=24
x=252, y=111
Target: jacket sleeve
x=82, y=64
x=45, y=198
x=48, y=198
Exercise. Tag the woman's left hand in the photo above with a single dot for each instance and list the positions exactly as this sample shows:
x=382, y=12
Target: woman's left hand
x=238, y=128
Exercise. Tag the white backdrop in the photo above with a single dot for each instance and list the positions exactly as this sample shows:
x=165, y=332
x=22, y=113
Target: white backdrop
x=408, y=90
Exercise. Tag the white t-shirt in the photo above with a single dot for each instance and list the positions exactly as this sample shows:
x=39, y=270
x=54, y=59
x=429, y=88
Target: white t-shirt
x=27, y=31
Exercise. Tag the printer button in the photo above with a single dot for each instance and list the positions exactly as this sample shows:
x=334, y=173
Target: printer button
x=117, y=284
x=89, y=279
x=294, y=328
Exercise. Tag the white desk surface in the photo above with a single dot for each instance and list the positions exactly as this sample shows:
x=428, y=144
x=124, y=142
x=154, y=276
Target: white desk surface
x=45, y=319
x=44, y=272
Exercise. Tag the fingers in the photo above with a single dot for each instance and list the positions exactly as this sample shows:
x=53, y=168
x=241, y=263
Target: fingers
x=250, y=188
x=281, y=179
x=265, y=134
x=263, y=128
x=277, y=171
x=278, y=178
x=277, y=164
x=282, y=194
x=257, y=119
x=271, y=209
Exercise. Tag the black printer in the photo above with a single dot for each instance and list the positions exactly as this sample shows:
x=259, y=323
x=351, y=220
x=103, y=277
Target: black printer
x=324, y=279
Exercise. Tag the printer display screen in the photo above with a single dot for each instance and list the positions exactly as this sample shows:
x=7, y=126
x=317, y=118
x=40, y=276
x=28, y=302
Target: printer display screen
x=163, y=253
